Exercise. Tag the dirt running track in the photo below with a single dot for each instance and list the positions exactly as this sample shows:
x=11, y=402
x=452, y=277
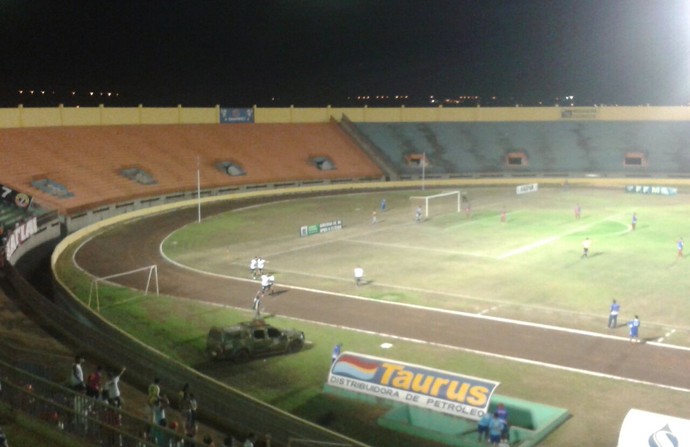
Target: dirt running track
x=111, y=253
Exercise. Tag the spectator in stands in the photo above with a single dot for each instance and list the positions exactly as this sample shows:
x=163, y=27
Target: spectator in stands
x=77, y=374
x=94, y=383
x=158, y=410
x=183, y=398
x=3, y=439
x=111, y=391
x=249, y=442
x=154, y=391
x=190, y=432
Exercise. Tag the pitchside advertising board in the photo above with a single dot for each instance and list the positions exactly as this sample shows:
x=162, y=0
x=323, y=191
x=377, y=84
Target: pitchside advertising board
x=441, y=391
x=325, y=227
x=646, y=429
x=655, y=190
x=19, y=235
x=524, y=189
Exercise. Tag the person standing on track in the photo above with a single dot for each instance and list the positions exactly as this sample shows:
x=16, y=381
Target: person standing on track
x=634, y=326
x=613, y=314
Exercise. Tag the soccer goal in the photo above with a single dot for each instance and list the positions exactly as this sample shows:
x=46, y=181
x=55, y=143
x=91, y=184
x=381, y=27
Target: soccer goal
x=151, y=273
x=437, y=204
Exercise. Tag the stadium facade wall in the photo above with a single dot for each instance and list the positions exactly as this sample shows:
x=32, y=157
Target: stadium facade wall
x=101, y=116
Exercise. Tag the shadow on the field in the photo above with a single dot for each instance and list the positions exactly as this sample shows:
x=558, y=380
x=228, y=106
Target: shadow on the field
x=277, y=293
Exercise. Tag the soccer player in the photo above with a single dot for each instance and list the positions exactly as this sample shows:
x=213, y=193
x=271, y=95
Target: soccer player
x=679, y=245
x=578, y=211
x=256, y=305
x=634, y=326
x=613, y=314
x=418, y=214
x=260, y=264
x=336, y=352
x=359, y=275
x=253, y=266
x=633, y=223
x=586, y=244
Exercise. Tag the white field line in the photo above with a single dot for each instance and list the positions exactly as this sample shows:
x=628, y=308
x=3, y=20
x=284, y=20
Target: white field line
x=551, y=239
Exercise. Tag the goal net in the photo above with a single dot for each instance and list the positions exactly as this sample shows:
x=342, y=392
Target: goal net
x=437, y=204
x=150, y=273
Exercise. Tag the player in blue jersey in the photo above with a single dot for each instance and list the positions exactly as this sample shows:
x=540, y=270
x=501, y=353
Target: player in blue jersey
x=679, y=245
x=613, y=314
x=633, y=222
x=634, y=326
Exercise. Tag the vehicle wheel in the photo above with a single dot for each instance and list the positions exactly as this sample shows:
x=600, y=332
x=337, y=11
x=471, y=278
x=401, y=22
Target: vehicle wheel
x=242, y=356
x=294, y=347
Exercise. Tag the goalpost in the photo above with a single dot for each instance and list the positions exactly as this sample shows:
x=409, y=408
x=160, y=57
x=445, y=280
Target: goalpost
x=443, y=203
x=152, y=274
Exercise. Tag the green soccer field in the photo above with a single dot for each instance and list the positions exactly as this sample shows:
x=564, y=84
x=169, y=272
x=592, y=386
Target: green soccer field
x=529, y=267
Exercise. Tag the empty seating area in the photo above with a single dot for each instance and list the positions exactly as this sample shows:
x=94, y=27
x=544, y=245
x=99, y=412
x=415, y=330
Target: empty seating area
x=558, y=146
x=89, y=162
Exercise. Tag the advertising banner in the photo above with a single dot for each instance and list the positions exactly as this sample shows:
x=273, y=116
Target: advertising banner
x=646, y=429
x=19, y=199
x=19, y=235
x=436, y=390
x=524, y=189
x=229, y=116
x=579, y=114
x=309, y=230
x=655, y=190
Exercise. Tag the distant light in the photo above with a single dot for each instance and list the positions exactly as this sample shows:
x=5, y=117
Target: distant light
x=91, y=93
x=21, y=92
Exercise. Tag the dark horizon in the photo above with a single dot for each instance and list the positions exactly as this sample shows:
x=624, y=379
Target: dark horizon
x=319, y=52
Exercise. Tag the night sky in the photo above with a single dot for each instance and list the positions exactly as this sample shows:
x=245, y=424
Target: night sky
x=319, y=52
